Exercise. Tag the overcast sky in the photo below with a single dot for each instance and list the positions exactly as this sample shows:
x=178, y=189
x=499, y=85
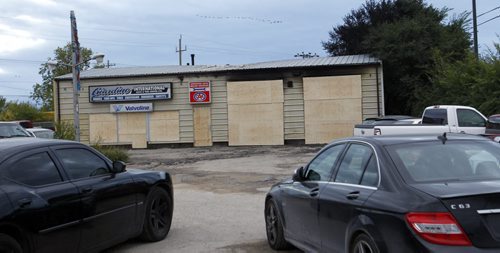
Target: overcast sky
x=146, y=33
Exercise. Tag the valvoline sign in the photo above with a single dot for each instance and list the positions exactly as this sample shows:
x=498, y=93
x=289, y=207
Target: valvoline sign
x=199, y=93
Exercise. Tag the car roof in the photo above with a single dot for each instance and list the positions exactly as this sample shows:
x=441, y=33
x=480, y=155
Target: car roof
x=401, y=139
x=16, y=143
x=38, y=129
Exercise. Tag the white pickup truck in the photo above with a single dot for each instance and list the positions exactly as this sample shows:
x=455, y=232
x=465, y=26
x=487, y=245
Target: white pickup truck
x=436, y=119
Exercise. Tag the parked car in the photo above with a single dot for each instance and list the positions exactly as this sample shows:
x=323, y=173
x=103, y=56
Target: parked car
x=391, y=194
x=493, y=127
x=10, y=130
x=38, y=132
x=435, y=120
x=387, y=119
x=63, y=196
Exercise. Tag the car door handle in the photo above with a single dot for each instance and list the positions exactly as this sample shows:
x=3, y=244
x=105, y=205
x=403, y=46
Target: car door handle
x=314, y=192
x=24, y=202
x=87, y=190
x=353, y=195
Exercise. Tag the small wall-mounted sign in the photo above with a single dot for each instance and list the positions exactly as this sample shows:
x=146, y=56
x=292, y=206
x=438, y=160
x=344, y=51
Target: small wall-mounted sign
x=142, y=107
x=199, y=93
x=134, y=92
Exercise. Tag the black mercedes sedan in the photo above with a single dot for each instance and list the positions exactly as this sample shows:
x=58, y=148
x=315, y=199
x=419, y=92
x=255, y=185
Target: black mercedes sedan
x=63, y=196
x=392, y=194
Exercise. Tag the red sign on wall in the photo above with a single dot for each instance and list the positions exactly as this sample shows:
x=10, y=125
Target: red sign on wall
x=199, y=92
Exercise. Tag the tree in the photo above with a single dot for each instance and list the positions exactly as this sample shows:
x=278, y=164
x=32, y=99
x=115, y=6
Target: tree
x=20, y=111
x=43, y=93
x=405, y=35
x=3, y=101
x=469, y=82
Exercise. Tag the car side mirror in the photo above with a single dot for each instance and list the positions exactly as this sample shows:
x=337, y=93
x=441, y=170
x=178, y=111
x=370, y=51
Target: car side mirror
x=299, y=175
x=118, y=166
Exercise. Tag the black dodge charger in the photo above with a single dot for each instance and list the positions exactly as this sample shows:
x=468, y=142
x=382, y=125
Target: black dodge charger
x=391, y=195
x=62, y=196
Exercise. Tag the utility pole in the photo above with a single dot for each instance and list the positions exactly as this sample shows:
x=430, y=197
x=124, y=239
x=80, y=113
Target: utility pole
x=75, y=68
x=474, y=24
x=110, y=64
x=180, y=50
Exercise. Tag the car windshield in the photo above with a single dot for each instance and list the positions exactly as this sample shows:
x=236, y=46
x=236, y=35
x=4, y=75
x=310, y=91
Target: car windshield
x=44, y=134
x=452, y=161
x=12, y=130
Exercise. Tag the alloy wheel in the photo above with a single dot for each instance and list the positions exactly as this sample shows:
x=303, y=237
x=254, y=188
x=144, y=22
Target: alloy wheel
x=159, y=209
x=363, y=247
x=271, y=223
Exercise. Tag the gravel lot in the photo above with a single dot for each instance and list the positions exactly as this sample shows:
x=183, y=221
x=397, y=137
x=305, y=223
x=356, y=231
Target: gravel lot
x=218, y=194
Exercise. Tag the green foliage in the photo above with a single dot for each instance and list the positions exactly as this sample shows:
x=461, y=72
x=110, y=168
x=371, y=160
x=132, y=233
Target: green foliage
x=3, y=101
x=405, y=35
x=43, y=93
x=469, y=82
x=19, y=111
x=64, y=130
x=113, y=153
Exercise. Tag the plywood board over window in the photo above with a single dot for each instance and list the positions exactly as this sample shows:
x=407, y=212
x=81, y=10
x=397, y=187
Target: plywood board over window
x=332, y=107
x=132, y=128
x=255, y=112
x=202, y=126
x=164, y=126
x=102, y=128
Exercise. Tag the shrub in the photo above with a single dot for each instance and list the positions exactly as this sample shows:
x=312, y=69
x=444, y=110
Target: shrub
x=113, y=153
x=64, y=130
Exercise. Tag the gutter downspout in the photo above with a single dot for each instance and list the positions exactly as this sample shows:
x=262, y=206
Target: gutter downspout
x=382, y=97
x=378, y=91
x=57, y=98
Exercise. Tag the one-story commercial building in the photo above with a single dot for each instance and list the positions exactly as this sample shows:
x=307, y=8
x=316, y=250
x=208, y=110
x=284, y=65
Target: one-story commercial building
x=310, y=100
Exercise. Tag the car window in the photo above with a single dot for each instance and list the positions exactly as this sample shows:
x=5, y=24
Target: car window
x=321, y=167
x=435, y=117
x=353, y=164
x=370, y=176
x=35, y=170
x=81, y=163
x=469, y=118
x=433, y=161
x=12, y=130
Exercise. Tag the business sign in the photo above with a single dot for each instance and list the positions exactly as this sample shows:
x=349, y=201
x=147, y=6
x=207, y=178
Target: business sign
x=136, y=92
x=142, y=107
x=199, y=92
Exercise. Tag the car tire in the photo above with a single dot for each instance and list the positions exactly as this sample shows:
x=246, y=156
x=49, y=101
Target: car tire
x=274, y=227
x=364, y=244
x=9, y=244
x=157, y=215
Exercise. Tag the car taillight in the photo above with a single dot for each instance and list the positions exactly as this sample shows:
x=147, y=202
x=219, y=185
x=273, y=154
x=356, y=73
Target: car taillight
x=438, y=228
x=376, y=131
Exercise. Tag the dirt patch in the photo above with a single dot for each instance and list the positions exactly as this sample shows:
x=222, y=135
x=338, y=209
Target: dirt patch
x=226, y=169
x=252, y=247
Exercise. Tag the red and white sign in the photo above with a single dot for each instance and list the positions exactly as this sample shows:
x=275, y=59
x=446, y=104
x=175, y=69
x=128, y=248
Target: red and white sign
x=199, y=92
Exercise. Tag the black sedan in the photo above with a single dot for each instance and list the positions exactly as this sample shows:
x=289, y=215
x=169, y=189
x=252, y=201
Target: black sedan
x=62, y=196
x=391, y=194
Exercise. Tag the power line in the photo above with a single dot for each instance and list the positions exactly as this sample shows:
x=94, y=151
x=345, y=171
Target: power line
x=20, y=60
x=9, y=87
x=489, y=20
x=14, y=95
x=14, y=81
x=498, y=7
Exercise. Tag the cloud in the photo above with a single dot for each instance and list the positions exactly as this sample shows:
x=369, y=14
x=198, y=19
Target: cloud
x=30, y=19
x=2, y=71
x=43, y=2
x=13, y=40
